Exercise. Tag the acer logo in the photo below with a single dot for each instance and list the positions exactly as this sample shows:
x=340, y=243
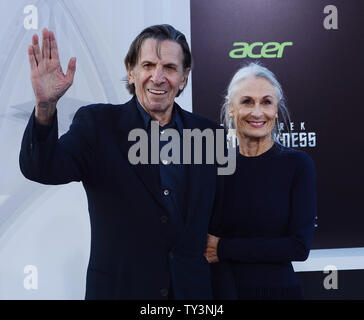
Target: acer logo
x=258, y=49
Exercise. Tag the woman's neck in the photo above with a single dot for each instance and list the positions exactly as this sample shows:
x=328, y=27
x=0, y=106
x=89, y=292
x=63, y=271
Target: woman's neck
x=253, y=147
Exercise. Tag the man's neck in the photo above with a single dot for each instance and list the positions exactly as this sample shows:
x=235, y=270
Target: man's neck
x=163, y=117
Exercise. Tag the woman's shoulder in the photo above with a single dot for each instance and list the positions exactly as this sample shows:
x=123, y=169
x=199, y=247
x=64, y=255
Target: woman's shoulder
x=301, y=158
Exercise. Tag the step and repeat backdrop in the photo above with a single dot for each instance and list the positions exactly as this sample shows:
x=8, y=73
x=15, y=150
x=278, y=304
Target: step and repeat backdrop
x=315, y=49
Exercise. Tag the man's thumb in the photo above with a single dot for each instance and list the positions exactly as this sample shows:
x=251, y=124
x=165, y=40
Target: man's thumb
x=71, y=68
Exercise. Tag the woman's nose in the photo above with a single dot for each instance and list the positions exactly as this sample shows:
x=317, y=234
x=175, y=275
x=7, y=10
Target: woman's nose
x=257, y=111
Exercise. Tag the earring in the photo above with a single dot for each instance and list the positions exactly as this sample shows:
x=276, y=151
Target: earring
x=278, y=127
x=231, y=136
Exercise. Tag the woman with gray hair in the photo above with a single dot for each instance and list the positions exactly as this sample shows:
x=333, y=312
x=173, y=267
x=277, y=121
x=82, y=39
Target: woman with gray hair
x=266, y=218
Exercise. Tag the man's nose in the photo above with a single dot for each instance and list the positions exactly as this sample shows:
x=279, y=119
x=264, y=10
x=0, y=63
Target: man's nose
x=158, y=76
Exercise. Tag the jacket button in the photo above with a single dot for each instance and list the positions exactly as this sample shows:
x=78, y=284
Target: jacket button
x=164, y=292
x=164, y=219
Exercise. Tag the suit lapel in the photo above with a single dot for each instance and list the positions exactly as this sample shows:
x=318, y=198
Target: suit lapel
x=193, y=171
x=129, y=119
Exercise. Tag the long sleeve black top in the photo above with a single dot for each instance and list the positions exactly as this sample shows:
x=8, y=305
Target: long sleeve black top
x=266, y=221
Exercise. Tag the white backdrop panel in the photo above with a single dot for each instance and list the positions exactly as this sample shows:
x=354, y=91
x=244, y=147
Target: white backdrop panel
x=48, y=226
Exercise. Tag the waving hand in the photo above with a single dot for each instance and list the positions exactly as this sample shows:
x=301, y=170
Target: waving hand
x=48, y=80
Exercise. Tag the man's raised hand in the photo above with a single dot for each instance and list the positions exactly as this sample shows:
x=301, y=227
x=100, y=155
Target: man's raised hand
x=48, y=80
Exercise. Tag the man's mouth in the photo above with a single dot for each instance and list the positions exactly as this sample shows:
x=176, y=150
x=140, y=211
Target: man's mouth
x=159, y=92
x=257, y=124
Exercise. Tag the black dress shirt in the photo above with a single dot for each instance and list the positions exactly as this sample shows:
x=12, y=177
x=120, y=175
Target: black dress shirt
x=172, y=176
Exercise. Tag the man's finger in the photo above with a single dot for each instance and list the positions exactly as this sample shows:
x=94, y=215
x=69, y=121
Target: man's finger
x=71, y=69
x=32, y=60
x=36, y=49
x=53, y=45
x=45, y=44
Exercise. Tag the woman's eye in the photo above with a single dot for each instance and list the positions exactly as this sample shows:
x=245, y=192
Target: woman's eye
x=267, y=102
x=245, y=101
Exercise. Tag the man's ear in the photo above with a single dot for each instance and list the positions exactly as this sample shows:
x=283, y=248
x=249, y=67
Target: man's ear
x=184, y=79
x=131, y=78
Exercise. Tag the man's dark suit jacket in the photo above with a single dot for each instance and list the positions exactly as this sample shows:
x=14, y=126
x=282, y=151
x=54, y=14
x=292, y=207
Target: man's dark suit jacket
x=130, y=257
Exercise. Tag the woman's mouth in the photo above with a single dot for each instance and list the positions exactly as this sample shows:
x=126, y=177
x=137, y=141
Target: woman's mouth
x=257, y=124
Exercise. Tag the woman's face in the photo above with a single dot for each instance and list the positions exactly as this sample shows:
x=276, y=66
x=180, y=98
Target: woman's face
x=254, y=107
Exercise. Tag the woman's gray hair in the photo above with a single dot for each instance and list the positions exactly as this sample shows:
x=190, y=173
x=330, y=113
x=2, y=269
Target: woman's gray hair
x=254, y=69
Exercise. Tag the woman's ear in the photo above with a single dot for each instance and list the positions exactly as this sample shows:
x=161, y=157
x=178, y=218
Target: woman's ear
x=230, y=108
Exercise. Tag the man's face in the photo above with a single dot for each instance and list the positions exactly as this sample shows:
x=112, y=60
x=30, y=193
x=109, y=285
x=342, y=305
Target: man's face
x=158, y=78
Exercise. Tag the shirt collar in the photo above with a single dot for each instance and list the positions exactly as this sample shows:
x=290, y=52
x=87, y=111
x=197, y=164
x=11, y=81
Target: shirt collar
x=175, y=122
x=145, y=116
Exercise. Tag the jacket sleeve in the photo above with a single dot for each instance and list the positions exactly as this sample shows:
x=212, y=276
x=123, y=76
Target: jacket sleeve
x=296, y=244
x=48, y=160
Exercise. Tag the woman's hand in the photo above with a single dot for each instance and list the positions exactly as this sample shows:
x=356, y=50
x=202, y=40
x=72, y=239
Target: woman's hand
x=211, y=249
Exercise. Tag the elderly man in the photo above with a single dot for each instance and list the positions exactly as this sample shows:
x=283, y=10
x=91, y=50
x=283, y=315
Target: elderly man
x=148, y=221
